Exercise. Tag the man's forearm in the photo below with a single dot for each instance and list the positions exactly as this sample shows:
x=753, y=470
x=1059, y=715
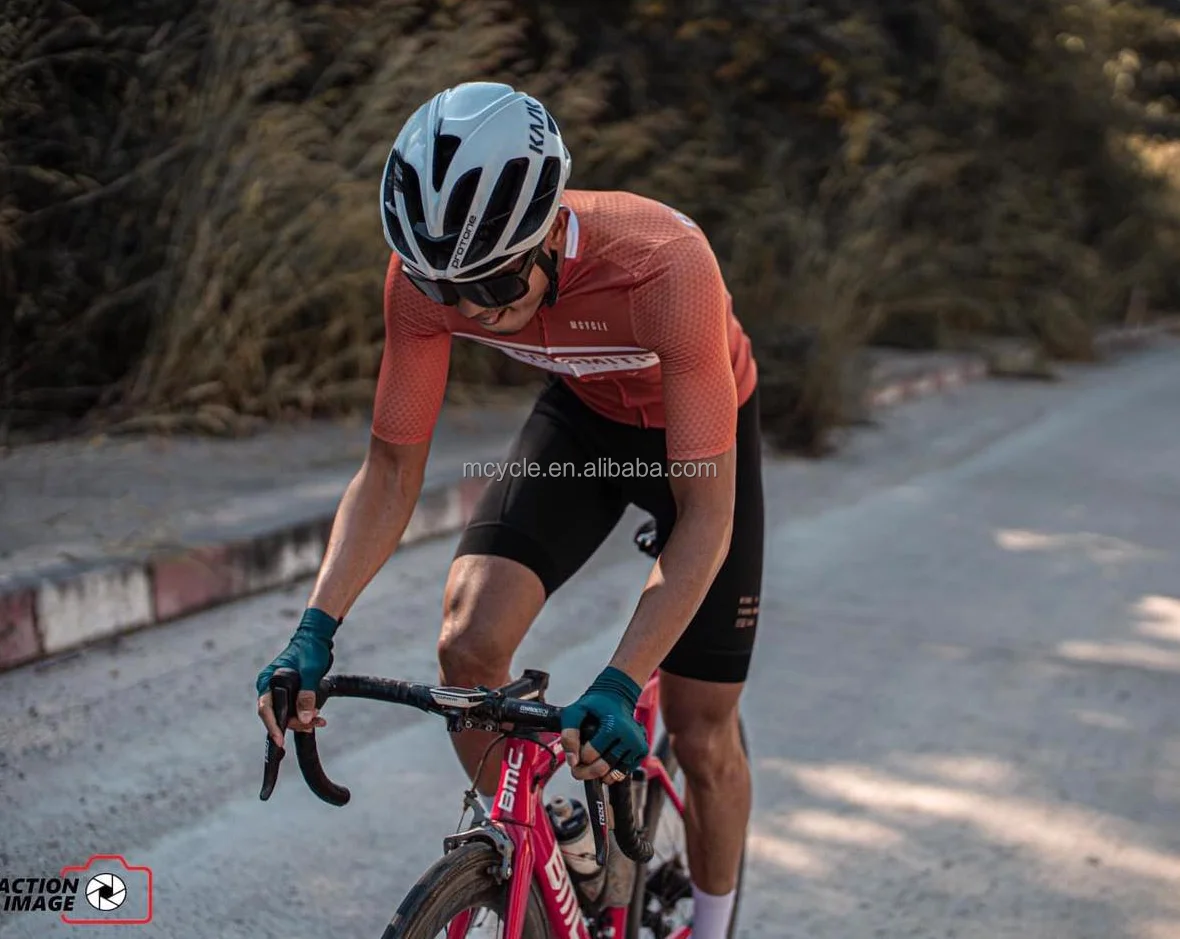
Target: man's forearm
x=370, y=521
x=678, y=584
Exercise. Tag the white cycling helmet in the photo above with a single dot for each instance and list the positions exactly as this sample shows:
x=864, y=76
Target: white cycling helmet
x=473, y=180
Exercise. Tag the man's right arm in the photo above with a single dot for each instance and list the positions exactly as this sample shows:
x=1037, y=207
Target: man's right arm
x=379, y=501
x=370, y=522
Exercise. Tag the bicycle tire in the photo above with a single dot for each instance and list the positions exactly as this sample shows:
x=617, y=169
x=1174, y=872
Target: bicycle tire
x=653, y=806
x=456, y=882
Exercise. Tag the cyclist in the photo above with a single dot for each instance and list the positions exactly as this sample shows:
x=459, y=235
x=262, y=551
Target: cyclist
x=622, y=299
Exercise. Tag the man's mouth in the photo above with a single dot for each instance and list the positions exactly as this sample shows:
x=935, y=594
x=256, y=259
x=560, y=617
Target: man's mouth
x=491, y=318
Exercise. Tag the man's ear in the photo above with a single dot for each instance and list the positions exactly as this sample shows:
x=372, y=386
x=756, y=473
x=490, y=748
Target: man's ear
x=555, y=240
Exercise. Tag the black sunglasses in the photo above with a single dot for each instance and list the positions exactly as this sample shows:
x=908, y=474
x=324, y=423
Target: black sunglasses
x=500, y=289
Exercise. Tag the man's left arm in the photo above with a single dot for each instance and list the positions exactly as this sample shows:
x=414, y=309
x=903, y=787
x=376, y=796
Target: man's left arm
x=684, y=571
x=681, y=313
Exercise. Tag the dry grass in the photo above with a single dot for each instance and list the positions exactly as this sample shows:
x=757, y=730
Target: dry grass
x=189, y=238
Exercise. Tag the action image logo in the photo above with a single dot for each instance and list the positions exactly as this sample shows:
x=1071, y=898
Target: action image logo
x=116, y=893
x=105, y=891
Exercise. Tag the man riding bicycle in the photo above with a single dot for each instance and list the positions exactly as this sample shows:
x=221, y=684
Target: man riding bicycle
x=622, y=299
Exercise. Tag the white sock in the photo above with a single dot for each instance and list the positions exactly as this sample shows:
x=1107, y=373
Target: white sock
x=710, y=913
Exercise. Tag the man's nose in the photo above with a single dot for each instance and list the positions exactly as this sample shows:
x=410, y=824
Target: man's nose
x=470, y=310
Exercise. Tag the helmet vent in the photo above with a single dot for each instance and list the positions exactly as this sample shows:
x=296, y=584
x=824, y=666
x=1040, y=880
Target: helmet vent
x=445, y=146
x=396, y=235
x=460, y=202
x=541, y=202
x=499, y=208
x=405, y=178
x=393, y=224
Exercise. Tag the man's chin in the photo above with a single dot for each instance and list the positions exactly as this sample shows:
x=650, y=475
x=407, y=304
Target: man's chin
x=503, y=329
x=499, y=330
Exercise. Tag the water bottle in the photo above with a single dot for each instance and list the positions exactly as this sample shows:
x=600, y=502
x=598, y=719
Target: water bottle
x=575, y=840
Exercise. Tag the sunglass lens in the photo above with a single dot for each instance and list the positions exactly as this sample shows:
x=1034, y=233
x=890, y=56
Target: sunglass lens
x=438, y=291
x=496, y=292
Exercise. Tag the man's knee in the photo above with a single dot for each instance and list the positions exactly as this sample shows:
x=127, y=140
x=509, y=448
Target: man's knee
x=465, y=653
x=482, y=623
x=703, y=723
x=464, y=660
x=709, y=751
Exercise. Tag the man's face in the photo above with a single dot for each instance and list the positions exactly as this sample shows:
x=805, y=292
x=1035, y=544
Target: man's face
x=512, y=319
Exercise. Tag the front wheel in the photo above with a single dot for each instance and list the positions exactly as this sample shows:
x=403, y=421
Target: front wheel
x=458, y=883
x=662, y=901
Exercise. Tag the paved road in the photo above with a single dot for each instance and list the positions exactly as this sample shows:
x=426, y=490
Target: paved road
x=965, y=709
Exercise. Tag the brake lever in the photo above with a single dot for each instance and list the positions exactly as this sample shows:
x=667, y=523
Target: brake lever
x=595, y=798
x=284, y=686
x=596, y=806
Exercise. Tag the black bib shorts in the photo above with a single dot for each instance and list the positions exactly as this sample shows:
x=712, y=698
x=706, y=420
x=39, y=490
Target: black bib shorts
x=552, y=519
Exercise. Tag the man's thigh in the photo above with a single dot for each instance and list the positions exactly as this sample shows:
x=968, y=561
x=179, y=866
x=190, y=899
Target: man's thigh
x=488, y=606
x=547, y=522
x=691, y=707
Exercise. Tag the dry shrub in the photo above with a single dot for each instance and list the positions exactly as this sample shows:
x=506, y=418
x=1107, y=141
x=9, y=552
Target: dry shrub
x=276, y=303
x=88, y=145
x=190, y=225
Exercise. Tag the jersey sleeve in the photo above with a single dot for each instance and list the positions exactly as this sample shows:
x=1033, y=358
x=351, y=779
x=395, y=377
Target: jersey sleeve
x=414, y=363
x=680, y=311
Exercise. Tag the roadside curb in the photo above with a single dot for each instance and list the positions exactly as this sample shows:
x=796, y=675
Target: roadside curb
x=69, y=606
x=1127, y=337
x=927, y=382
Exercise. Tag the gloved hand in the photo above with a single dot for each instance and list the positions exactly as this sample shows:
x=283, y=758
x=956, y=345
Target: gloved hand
x=310, y=654
x=618, y=742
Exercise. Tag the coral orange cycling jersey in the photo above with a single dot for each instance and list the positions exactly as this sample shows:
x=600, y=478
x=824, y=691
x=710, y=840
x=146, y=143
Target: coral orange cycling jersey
x=643, y=331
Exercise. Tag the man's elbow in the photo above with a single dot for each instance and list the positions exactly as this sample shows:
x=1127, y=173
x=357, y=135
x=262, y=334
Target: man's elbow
x=711, y=529
x=709, y=503
x=396, y=468
x=726, y=538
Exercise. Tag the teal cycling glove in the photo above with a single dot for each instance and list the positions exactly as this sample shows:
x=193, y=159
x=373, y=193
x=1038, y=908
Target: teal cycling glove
x=610, y=703
x=309, y=652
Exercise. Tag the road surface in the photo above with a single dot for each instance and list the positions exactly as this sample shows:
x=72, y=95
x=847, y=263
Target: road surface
x=964, y=711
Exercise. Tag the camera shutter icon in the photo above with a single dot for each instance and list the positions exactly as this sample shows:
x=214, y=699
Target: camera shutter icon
x=106, y=892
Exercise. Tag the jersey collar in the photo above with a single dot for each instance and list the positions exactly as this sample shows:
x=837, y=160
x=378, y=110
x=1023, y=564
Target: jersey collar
x=572, y=235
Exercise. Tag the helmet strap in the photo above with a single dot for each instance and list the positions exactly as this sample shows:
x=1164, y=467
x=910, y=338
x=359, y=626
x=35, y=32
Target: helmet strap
x=548, y=264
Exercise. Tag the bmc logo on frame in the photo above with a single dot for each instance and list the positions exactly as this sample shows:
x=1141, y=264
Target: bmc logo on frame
x=105, y=891
x=513, y=760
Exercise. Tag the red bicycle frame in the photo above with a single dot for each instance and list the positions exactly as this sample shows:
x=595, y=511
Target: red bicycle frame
x=519, y=811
